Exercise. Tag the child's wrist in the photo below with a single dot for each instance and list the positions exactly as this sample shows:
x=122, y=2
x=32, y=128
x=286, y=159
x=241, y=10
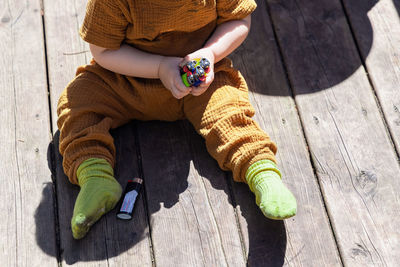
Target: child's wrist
x=213, y=54
x=160, y=60
x=210, y=54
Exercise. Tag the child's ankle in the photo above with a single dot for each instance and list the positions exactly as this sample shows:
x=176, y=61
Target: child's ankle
x=272, y=196
x=261, y=170
x=94, y=168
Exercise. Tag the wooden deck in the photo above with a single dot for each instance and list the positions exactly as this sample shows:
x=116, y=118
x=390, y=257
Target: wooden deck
x=325, y=81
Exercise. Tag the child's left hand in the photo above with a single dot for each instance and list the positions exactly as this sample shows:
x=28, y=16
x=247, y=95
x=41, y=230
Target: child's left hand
x=202, y=53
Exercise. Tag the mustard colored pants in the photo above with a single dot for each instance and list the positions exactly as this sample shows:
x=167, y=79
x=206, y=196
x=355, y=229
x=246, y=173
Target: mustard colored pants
x=98, y=100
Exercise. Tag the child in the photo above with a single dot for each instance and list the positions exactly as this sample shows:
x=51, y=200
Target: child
x=137, y=46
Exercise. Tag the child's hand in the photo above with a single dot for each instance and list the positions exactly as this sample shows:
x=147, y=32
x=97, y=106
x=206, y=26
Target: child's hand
x=202, y=53
x=170, y=76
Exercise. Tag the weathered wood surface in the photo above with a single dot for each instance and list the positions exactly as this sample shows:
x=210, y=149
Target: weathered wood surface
x=197, y=214
x=376, y=27
x=62, y=40
x=354, y=159
x=26, y=194
x=128, y=242
x=110, y=242
x=272, y=243
x=219, y=196
x=170, y=186
x=192, y=223
x=65, y=49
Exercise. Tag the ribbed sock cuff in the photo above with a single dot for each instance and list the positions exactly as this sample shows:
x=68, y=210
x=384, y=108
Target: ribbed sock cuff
x=94, y=167
x=256, y=168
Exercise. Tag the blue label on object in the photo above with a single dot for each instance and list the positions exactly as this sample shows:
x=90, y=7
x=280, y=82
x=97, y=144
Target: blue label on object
x=129, y=201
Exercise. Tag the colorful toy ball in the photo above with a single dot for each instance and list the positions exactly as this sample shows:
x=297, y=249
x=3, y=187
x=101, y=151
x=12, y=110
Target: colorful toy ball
x=194, y=72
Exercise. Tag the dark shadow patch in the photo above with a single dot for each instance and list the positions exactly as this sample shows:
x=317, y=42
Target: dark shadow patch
x=267, y=238
x=300, y=34
x=315, y=42
x=396, y=4
x=109, y=237
x=45, y=232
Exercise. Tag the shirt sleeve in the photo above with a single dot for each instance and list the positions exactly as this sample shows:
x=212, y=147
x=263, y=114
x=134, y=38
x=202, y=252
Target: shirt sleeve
x=234, y=9
x=104, y=24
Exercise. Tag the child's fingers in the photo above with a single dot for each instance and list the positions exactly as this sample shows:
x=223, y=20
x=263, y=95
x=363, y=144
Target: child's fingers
x=208, y=81
x=180, y=85
x=203, y=86
x=199, y=90
x=177, y=94
x=196, y=91
x=180, y=90
x=185, y=60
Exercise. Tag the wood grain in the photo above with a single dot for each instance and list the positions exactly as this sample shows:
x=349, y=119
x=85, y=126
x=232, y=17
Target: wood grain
x=219, y=197
x=192, y=224
x=109, y=242
x=26, y=196
x=352, y=154
x=376, y=27
x=128, y=242
x=90, y=251
x=65, y=48
x=192, y=214
x=61, y=25
x=306, y=239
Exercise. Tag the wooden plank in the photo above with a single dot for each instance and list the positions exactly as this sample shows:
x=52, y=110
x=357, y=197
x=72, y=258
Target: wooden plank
x=191, y=224
x=376, y=26
x=355, y=162
x=128, y=242
x=90, y=251
x=110, y=242
x=274, y=243
x=26, y=196
x=65, y=49
x=61, y=25
x=219, y=197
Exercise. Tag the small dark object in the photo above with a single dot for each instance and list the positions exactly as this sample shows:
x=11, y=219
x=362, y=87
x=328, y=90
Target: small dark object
x=132, y=190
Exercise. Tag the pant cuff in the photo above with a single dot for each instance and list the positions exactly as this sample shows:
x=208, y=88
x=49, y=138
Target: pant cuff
x=71, y=171
x=240, y=177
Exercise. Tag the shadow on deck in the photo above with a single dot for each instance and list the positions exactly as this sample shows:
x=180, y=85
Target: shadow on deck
x=266, y=238
x=309, y=49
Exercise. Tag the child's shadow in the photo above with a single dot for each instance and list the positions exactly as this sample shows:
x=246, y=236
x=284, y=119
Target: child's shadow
x=166, y=177
x=316, y=43
x=108, y=238
x=111, y=237
x=266, y=245
x=180, y=146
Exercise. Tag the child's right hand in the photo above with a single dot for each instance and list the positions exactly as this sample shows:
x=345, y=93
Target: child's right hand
x=170, y=76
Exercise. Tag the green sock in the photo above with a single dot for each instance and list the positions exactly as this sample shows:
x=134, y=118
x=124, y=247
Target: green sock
x=272, y=196
x=99, y=194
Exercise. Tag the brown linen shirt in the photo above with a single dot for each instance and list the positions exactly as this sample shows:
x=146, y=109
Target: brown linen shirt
x=165, y=27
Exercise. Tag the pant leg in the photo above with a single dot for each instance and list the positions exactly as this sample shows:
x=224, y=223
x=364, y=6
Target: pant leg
x=222, y=115
x=84, y=121
x=98, y=100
